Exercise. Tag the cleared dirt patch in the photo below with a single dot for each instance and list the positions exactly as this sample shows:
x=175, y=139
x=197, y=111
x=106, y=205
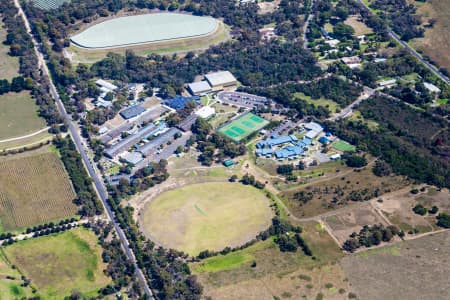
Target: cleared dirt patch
x=345, y=188
x=359, y=27
x=397, y=207
x=345, y=223
x=205, y=216
x=33, y=190
x=416, y=269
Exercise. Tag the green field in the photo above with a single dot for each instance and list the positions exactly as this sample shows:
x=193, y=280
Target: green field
x=18, y=115
x=243, y=126
x=9, y=66
x=343, y=146
x=330, y=104
x=59, y=264
x=231, y=260
x=10, y=282
x=206, y=216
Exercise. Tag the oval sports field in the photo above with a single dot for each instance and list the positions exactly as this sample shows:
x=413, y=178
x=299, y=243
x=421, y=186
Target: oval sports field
x=203, y=216
x=142, y=29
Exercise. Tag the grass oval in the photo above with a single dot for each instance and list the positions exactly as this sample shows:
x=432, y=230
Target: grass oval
x=206, y=216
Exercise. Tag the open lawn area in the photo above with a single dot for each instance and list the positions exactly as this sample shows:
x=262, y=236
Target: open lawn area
x=34, y=189
x=58, y=264
x=9, y=65
x=18, y=115
x=343, y=146
x=11, y=282
x=205, y=216
x=436, y=42
x=331, y=105
x=263, y=272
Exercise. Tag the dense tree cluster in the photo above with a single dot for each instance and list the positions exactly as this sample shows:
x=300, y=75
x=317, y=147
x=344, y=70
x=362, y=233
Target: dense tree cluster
x=333, y=88
x=17, y=84
x=143, y=179
x=287, y=236
x=443, y=220
x=402, y=17
x=420, y=210
x=381, y=168
x=413, y=142
x=251, y=180
x=371, y=236
x=212, y=145
x=354, y=161
x=21, y=46
x=86, y=197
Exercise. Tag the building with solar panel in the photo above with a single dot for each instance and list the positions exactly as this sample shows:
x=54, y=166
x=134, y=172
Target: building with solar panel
x=179, y=102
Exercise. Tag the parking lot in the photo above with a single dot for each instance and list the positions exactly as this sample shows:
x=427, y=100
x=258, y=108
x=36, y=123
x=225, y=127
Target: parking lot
x=242, y=99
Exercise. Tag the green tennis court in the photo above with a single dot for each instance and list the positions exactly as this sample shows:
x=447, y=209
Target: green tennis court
x=243, y=126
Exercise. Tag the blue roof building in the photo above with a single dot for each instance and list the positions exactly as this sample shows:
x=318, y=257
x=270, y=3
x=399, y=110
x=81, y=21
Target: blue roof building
x=179, y=102
x=324, y=140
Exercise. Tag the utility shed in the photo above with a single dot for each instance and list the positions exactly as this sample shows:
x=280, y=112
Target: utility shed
x=220, y=80
x=228, y=163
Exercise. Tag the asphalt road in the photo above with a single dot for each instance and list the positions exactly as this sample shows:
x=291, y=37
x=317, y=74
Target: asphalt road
x=405, y=45
x=98, y=183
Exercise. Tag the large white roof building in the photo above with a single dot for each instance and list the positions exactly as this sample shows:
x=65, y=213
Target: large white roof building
x=220, y=79
x=199, y=87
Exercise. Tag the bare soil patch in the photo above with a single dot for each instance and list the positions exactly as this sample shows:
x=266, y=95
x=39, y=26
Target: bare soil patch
x=416, y=269
x=344, y=189
x=343, y=224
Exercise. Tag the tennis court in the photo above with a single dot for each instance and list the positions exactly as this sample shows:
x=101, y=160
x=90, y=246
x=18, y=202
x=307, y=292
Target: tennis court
x=243, y=126
x=343, y=146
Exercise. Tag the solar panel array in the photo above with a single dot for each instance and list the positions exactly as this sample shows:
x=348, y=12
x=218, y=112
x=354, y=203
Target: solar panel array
x=48, y=4
x=179, y=102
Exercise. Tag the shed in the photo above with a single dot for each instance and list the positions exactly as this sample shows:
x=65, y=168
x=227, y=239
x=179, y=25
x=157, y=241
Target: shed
x=228, y=163
x=324, y=140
